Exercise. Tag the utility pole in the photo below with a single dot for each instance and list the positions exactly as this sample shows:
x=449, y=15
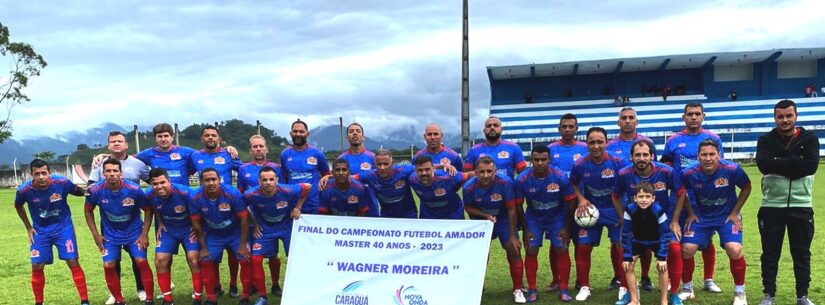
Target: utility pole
x=465, y=85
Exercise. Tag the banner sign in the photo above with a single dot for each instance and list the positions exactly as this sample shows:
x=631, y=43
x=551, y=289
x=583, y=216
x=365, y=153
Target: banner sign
x=386, y=261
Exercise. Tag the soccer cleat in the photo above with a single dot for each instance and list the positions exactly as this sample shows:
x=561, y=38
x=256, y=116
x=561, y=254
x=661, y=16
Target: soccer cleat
x=196, y=302
x=218, y=292
x=168, y=303
x=739, y=298
x=84, y=302
x=518, y=296
x=141, y=294
x=711, y=286
x=687, y=294
x=119, y=303
x=804, y=301
x=261, y=301
x=554, y=286
x=233, y=292
x=673, y=299
x=532, y=296
x=614, y=283
x=564, y=296
x=111, y=300
x=647, y=285
x=768, y=300
x=622, y=293
x=583, y=294
x=624, y=299
x=276, y=290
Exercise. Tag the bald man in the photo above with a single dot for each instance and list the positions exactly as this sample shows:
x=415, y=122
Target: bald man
x=437, y=151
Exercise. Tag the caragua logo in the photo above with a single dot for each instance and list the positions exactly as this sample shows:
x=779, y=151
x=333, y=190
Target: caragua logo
x=349, y=296
x=409, y=296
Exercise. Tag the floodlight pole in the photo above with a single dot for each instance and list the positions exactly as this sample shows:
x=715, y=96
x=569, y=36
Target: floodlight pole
x=137, y=138
x=14, y=165
x=465, y=85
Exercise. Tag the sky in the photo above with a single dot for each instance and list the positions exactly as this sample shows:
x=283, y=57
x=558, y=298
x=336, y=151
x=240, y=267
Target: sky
x=384, y=64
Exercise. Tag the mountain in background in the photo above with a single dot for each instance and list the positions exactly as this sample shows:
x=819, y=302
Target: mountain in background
x=329, y=138
x=62, y=144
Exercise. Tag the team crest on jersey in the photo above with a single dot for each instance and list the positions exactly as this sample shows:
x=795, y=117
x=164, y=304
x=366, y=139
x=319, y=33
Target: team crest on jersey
x=127, y=202
x=55, y=197
x=681, y=145
x=582, y=233
x=352, y=199
x=440, y=192
x=223, y=207
x=720, y=182
x=256, y=246
x=281, y=204
x=659, y=186
x=576, y=157
x=444, y=160
x=495, y=197
x=503, y=155
x=365, y=166
x=34, y=253
x=174, y=156
x=552, y=188
x=180, y=209
x=400, y=184
x=312, y=161
x=608, y=173
x=220, y=161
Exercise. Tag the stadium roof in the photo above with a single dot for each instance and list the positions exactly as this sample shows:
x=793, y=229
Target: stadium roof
x=669, y=62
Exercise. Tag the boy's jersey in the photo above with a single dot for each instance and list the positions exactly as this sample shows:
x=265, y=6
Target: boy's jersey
x=547, y=198
x=273, y=214
x=444, y=156
x=132, y=168
x=248, y=174
x=506, y=155
x=440, y=199
x=119, y=210
x=173, y=210
x=682, y=148
x=493, y=200
x=715, y=194
x=220, y=160
x=564, y=157
x=394, y=194
x=359, y=163
x=663, y=178
x=645, y=226
x=596, y=181
x=48, y=208
x=354, y=201
x=621, y=148
x=177, y=162
x=221, y=216
x=304, y=166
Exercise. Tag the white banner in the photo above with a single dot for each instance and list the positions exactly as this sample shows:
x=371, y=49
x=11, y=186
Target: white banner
x=383, y=261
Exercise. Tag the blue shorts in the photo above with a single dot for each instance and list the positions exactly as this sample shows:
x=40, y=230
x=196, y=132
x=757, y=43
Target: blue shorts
x=543, y=231
x=501, y=230
x=216, y=245
x=700, y=233
x=267, y=246
x=111, y=250
x=593, y=235
x=168, y=241
x=65, y=240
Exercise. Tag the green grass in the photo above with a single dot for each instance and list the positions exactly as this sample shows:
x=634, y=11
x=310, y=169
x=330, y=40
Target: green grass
x=15, y=266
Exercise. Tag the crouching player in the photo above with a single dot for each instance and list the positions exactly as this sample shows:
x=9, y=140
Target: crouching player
x=273, y=207
x=645, y=228
x=489, y=196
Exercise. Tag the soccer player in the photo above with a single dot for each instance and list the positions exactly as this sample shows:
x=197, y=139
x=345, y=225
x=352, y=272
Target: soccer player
x=593, y=179
x=302, y=163
x=646, y=228
x=273, y=206
x=437, y=190
x=120, y=203
x=507, y=155
x=568, y=149
x=173, y=229
x=549, y=198
x=214, y=156
x=666, y=185
x=176, y=160
x=219, y=220
x=489, y=195
x=437, y=151
x=620, y=145
x=344, y=196
x=360, y=160
x=391, y=185
x=681, y=152
x=712, y=183
x=51, y=225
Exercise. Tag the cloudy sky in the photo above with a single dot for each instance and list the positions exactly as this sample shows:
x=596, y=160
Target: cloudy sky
x=386, y=64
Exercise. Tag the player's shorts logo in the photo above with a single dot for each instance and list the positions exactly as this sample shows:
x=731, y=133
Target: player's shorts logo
x=224, y=207
x=281, y=204
x=440, y=192
x=55, y=197
x=34, y=253
x=104, y=252
x=582, y=233
x=180, y=209
x=352, y=199
x=256, y=246
x=444, y=160
x=734, y=229
x=720, y=182
x=365, y=166
x=659, y=186
x=69, y=246
x=503, y=155
x=127, y=202
x=495, y=197
x=576, y=157
x=552, y=188
x=312, y=161
x=689, y=233
x=608, y=173
x=400, y=184
x=174, y=156
x=220, y=161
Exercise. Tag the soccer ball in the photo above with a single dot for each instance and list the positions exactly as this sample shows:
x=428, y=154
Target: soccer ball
x=589, y=218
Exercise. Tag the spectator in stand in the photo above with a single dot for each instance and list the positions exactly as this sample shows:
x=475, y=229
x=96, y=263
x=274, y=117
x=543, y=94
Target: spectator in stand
x=813, y=90
x=625, y=101
x=732, y=95
x=617, y=101
x=665, y=92
x=809, y=90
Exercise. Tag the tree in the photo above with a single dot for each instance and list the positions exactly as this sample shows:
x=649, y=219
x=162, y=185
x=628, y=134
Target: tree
x=25, y=63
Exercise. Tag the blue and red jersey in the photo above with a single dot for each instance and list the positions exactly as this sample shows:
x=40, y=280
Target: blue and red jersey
x=564, y=157
x=173, y=210
x=248, y=174
x=506, y=155
x=596, y=181
x=305, y=166
x=354, y=201
x=394, y=194
x=666, y=185
x=715, y=194
x=547, y=198
x=443, y=156
x=682, y=148
x=221, y=216
x=48, y=208
x=359, y=163
x=119, y=210
x=177, y=162
x=273, y=214
x=493, y=200
x=621, y=148
x=440, y=199
x=220, y=160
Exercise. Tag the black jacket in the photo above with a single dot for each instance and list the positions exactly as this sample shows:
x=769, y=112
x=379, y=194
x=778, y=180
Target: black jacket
x=793, y=159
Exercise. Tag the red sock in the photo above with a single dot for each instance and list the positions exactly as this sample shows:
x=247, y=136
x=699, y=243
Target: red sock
x=246, y=278
x=554, y=269
x=197, y=285
x=209, y=280
x=563, y=265
x=165, y=284
x=688, y=265
x=531, y=266
x=709, y=258
x=616, y=257
x=646, y=257
x=232, y=261
x=737, y=269
x=583, y=264
x=517, y=274
x=674, y=265
x=274, y=270
x=38, y=282
x=147, y=278
x=113, y=283
x=258, y=275
x=79, y=279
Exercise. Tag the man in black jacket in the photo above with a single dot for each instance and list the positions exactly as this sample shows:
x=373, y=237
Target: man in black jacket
x=788, y=157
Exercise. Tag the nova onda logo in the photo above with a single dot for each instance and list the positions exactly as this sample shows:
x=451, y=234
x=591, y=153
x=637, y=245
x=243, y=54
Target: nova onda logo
x=409, y=296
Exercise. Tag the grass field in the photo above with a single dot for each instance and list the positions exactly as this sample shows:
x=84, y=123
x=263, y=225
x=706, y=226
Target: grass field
x=15, y=267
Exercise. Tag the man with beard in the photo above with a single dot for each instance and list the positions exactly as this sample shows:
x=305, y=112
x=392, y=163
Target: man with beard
x=302, y=163
x=437, y=190
x=568, y=149
x=666, y=185
x=507, y=155
x=360, y=160
x=436, y=150
x=344, y=196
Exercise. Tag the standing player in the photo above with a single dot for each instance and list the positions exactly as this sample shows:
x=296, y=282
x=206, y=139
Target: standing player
x=274, y=206
x=302, y=163
x=435, y=150
x=712, y=183
x=489, y=196
x=214, y=156
x=51, y=225
x=120, y=202
x=176, y=160
x=437, y=190
x=549, y=197
x=219, y=220
x=174, y=229
x=681, y=152
x=593, y=178
x=507, y=155
x=360, y=160
x=344, y=196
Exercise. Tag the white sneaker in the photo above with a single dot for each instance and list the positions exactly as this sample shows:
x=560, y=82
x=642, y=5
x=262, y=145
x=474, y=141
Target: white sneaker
x=111, y=300
x=740, y=298
x=518, y=296
x=622, y=292
x=141, y=294
x=583, y=294
x=687, y=294
x=711, y=286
